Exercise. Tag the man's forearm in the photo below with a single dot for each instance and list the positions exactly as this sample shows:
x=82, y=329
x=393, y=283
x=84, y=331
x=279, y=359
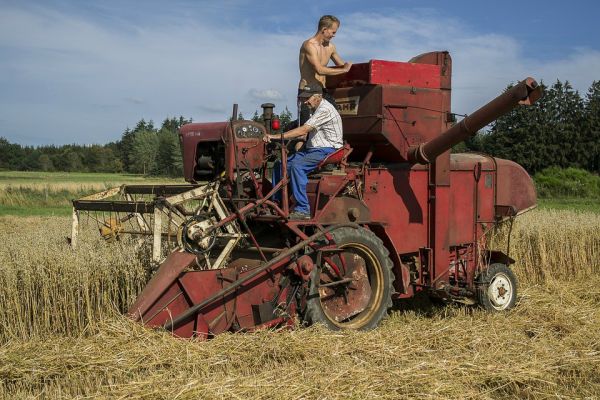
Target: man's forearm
x=329, y=71
x=294, y=133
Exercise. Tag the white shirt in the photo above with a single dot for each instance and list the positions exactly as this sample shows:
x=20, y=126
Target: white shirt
x=326, y=125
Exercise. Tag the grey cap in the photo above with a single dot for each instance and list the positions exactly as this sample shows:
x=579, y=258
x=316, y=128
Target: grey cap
x=308, y=91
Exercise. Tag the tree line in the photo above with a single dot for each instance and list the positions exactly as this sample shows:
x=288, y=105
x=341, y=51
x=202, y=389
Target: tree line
x=144, y=149
x=562, y=129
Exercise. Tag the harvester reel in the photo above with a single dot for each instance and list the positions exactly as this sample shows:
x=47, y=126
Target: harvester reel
x=111, y=229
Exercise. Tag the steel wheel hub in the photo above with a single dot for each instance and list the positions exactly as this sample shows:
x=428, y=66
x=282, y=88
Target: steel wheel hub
x=346, y=300
x=500, y=291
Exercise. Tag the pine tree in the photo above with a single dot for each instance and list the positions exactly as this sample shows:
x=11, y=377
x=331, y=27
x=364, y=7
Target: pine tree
x=169, y=160
x=566, y=147
x=11, y=155
x=517, y=136
x=285, y=119
x=592, y=123
x=145, y=151
x=173, y=124
x=126, y=149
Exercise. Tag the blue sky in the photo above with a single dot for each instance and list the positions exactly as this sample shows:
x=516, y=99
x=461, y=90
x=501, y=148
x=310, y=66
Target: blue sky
x=81, y=72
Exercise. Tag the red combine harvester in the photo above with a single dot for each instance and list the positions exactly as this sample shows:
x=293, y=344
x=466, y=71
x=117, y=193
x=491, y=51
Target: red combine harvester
x=393, y=213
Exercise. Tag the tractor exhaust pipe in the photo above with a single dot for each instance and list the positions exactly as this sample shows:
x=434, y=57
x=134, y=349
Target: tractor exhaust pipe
x=268, y=115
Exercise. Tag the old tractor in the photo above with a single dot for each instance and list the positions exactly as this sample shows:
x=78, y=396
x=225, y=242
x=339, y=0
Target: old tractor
x=393, y=213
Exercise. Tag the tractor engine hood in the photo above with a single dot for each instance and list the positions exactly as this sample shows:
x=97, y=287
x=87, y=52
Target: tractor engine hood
x=203, y=137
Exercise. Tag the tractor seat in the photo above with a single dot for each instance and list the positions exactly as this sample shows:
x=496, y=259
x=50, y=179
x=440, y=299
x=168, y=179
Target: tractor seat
x=340, y=156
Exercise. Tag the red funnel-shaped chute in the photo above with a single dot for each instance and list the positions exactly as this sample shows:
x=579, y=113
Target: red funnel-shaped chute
x=203, y=303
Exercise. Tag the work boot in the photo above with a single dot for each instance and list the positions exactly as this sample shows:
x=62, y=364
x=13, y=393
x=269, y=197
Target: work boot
x=299, y=215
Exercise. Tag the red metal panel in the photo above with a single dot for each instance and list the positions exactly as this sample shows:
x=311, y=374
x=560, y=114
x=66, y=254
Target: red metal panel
x=321, y=188
x=331, y=184
x=192, y=134
x=398, y=199
x=413, y=116
x=251, y=153
x=342, y=210
x=262, y=289
x=387, y=114
x=193, y=287
x=405, y=74
x=464, y=200
x=389, y=73
x=515, y=186
x=461, y=207
x=200, y=285
x=169, y=270
x=486, y=190
x=440, y=245
x=441, y=58
x=249, y=145
x=168, y=305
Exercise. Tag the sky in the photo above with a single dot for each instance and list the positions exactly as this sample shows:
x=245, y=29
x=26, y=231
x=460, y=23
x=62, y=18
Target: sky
x=84, y=71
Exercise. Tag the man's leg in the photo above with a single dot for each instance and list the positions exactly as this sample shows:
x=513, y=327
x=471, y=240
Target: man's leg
x=298, y=169
x=276, y=175
x=275, y=178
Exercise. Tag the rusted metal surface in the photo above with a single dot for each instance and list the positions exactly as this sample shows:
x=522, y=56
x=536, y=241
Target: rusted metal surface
x=516, y=188
x=163, y=278
x=344, y=209
x=165, y=302
x=144, y=207
x=200, y=139
x=158, y=190
x=388, y=73
x=345, y=296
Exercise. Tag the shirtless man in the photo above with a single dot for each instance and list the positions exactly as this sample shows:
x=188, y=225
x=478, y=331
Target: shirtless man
x=315, y=54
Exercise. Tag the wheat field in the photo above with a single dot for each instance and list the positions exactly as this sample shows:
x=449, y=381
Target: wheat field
x=62, y=334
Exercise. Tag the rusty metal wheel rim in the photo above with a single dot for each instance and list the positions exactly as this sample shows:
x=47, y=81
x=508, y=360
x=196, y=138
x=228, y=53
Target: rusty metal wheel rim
x=375, y=280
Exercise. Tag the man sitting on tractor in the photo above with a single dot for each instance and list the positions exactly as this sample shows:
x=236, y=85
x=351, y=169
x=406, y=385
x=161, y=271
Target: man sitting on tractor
x=324, y=131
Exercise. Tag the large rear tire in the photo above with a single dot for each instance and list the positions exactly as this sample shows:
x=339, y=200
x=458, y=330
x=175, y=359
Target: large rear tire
x=364, y=295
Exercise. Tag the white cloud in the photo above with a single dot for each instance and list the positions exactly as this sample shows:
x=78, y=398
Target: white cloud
x=266, y=94
x=59, y=67
x=134, y=100
x=483, y=63
x=580, y=68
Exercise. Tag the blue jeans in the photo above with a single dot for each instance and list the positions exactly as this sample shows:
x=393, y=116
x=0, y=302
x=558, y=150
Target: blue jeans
x=299, y=165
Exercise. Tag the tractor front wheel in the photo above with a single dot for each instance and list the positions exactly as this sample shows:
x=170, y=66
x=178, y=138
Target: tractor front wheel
x=498, y=288
x=359, y=296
